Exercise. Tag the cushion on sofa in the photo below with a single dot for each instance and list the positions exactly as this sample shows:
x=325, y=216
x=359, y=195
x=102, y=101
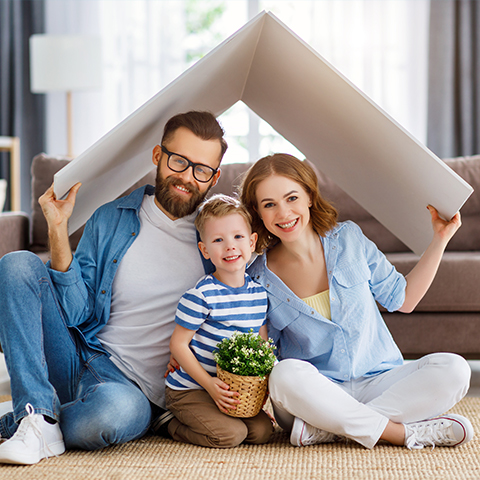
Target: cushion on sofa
x=468, y=236
x=231, y=176
x=447, y=293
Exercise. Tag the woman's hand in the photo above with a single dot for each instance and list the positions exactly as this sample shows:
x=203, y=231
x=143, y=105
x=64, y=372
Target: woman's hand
x=443, y=230
x=422, y=275
x=222, y=396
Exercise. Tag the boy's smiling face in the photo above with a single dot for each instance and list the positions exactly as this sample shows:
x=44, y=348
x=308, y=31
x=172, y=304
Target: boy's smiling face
x=229, y=243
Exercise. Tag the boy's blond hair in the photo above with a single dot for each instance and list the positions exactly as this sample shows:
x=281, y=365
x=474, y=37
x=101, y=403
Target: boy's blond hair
x=220, y=206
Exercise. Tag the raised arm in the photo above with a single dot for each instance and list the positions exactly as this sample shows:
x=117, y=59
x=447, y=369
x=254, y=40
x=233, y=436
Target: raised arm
x=422, y=275
x=57, y=213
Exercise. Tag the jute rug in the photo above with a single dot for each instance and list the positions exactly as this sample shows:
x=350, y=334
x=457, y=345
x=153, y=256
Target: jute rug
x=157, y=458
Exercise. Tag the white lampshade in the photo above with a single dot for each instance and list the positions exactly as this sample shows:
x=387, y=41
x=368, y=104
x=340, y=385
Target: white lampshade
x=65, y=63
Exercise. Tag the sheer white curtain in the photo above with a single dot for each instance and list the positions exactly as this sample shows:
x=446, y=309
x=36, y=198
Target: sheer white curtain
x=379, y=45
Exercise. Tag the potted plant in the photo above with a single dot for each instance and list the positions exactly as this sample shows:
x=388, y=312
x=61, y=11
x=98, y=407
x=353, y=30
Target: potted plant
x=244, y=362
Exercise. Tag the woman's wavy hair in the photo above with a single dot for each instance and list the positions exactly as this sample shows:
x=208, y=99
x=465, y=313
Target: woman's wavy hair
x=322, y=214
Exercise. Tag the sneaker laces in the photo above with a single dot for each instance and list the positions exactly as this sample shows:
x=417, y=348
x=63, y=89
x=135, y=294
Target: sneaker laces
x=312, y=435
x=432, y=433
x=30, y=421
x=320, y=436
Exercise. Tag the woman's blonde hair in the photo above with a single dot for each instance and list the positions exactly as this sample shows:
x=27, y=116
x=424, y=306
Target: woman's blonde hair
x=220, y=206
x=322, y=214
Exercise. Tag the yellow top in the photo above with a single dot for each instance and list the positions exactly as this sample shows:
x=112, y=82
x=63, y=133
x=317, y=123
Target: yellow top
x=320, y=302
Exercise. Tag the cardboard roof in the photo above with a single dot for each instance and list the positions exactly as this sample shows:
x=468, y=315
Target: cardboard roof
x=305, y=99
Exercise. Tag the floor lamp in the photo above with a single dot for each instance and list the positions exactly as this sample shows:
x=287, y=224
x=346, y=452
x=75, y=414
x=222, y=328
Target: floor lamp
x=65, y=63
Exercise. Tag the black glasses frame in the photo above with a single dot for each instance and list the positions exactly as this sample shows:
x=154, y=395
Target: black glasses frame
x=189, y=164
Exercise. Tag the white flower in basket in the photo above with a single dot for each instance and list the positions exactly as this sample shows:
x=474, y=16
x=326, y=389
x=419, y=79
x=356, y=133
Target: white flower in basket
x=244, y=362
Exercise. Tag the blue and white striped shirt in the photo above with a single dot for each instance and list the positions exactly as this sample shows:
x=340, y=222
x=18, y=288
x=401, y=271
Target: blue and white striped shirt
x=215, y=310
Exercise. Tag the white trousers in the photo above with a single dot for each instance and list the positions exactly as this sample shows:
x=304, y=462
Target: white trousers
x=361, y=409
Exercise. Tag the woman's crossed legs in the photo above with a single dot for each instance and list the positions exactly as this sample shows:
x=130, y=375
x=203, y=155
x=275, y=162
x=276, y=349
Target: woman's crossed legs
x=370, y=408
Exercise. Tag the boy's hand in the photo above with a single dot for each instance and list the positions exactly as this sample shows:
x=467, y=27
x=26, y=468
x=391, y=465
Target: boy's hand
x=222, y=396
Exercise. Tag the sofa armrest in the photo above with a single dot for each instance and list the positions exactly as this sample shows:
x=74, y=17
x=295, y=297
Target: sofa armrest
x=14, y=232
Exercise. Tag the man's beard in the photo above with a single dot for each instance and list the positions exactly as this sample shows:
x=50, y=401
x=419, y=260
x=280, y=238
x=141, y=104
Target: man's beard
x=174, y=204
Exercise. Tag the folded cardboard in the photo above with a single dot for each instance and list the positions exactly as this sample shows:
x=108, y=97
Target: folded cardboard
x=305, y=99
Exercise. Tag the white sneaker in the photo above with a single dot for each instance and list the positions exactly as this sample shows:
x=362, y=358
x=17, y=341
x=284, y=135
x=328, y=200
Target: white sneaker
x=445, y=431
x=304, y=434
x=34, y=439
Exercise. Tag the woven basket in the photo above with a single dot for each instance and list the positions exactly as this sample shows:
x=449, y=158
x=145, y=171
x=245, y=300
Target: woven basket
x=252, y=392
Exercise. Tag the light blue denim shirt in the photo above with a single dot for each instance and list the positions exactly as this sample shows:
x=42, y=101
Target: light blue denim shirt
x=356, y=342
x=85, y=290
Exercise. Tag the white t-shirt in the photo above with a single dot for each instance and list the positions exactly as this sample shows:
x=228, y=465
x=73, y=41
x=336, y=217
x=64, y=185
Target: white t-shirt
x=162, y=263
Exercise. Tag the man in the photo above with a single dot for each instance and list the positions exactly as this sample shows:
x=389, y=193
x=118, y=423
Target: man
x=86, y=336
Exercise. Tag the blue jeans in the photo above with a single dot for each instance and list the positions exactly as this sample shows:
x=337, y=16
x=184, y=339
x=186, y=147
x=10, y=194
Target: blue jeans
x=52, y=368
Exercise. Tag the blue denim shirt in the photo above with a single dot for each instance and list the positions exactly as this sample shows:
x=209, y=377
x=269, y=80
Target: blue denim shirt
x=85, y=290
x=356, y=342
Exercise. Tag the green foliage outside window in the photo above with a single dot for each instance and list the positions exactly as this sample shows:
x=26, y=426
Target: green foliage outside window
x=200, y=20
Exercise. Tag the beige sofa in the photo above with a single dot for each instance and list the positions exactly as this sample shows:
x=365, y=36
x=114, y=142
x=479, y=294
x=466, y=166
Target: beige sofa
x=447, y=319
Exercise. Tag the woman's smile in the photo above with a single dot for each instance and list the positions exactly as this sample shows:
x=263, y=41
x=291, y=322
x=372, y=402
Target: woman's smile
x=289, y=225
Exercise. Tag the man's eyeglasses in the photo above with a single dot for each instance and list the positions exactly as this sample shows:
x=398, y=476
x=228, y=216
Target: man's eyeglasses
x=202, y=173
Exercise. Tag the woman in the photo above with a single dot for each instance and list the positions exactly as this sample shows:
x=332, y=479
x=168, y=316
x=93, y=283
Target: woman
x=341, y=374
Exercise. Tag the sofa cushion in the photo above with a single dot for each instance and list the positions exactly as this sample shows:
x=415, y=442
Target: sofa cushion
x=419, y=334
x=455, y=287
x=468, y=236
x=231, y=175
x=14, y=232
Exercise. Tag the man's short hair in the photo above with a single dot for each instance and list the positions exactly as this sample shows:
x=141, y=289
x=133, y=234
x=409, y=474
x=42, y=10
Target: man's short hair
x=220, y=206
x=203, y=124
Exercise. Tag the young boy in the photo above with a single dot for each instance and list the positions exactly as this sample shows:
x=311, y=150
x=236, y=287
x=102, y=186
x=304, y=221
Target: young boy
x=219, y=304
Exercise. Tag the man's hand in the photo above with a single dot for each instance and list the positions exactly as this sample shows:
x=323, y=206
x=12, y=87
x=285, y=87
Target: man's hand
x=222, y=396
x=57, y=212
